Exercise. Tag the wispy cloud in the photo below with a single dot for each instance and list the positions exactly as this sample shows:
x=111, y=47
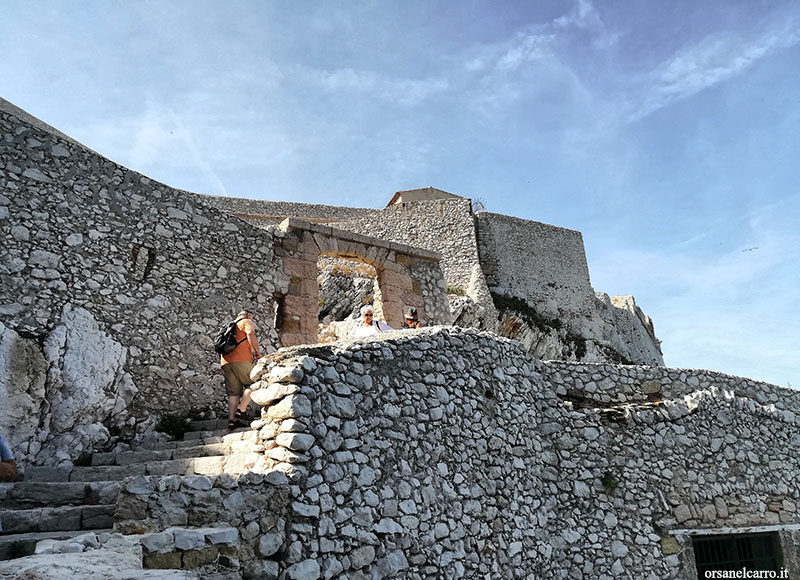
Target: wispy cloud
x=402, y=91
x=706, y=63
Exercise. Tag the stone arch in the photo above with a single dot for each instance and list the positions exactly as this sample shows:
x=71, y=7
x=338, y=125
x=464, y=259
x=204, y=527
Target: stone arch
x=402, y=280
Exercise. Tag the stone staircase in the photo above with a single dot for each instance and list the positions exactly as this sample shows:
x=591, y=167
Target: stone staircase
x=53, y=503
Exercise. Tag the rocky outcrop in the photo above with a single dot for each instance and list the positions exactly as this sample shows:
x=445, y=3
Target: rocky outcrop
x=344, y=287
x=63, y=396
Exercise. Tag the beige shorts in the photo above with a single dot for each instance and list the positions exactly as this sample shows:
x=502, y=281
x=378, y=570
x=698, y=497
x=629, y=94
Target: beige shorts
x=237, y=377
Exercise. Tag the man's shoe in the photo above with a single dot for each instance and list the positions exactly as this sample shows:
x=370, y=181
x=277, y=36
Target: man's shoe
x=243, y=416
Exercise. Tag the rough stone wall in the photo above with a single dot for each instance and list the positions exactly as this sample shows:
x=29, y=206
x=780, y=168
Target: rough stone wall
x=151, y=264
x=251, y=510
x=443, y=226
x=448, y=453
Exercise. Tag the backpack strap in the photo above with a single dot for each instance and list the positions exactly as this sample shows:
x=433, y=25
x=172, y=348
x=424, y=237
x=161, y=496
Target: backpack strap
x=245, y=337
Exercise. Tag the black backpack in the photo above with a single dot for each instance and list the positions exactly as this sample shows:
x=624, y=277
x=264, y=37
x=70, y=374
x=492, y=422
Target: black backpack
x=225, y=340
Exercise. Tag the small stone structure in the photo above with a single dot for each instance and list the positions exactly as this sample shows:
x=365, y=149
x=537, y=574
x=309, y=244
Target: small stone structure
x=407, y=277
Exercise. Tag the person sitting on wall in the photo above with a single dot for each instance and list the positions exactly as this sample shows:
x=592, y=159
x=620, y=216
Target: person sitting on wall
x=368, y=325
x=236, y=367
x=8, y=467
x=411, y=319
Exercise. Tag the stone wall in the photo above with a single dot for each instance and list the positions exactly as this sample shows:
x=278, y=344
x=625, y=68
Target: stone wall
x=263, y=212
x=176, y=518
x=449, y=453
x=542, y=264
x=150, y=264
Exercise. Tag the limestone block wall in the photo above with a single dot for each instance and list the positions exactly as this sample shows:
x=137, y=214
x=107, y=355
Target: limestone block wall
x=449, y=453
x=542, y=264
x=157, y=270
x=605, y=383
x=444, y=226
x=188, y=521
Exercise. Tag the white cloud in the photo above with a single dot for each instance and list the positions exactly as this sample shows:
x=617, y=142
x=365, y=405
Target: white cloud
x=714, y=59
x=582, y=15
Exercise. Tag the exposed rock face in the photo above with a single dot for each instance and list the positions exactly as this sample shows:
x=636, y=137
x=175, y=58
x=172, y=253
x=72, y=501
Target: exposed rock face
x=62, y=397
x=344, y=287
x=23, y=374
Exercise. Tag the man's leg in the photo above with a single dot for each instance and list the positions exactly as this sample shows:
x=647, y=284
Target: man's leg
x=245, y=400
x=233, y=388
x=233, y=404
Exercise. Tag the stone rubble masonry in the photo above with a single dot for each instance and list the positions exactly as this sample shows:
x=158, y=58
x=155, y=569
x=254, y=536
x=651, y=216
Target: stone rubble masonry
x=452, y=449
x=157, y=269
x=446, y=227
x=264, y=213
x=175, y=514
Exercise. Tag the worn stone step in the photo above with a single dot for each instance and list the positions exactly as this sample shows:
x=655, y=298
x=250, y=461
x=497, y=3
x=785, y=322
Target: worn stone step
x=211, y=465
x=225, y=434
x=149, y=456
x=32, y=494
x=61, y=518
x=19, y=545
x=194, y=438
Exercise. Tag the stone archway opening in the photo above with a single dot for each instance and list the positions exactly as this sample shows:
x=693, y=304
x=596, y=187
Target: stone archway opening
x=345, y=285
x=405, y=277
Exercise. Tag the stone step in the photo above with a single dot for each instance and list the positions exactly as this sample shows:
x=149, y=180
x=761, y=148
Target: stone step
x=19, y=545
x=61, y=518
x=194, y=438
x=210, y=465
x=225, y=434
x=153, y=455
x=32, y=494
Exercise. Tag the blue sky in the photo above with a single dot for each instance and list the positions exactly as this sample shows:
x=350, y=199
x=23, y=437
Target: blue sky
x=668, y=133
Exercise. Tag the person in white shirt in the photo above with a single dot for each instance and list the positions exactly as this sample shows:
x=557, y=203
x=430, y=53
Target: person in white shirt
x=368, y=326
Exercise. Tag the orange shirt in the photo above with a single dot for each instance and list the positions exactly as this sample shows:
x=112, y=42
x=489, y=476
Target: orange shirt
x=243, y=352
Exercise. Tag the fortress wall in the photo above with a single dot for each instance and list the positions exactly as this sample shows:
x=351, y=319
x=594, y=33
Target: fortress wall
x=261, y=210
x=443, y=226
x=447, y=453
x=150, y=264
x=542, y=264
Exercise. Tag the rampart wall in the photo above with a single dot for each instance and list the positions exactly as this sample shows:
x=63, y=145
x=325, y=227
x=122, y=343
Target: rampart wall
x=542, y=264
x=149, y=265
x=275, y=211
